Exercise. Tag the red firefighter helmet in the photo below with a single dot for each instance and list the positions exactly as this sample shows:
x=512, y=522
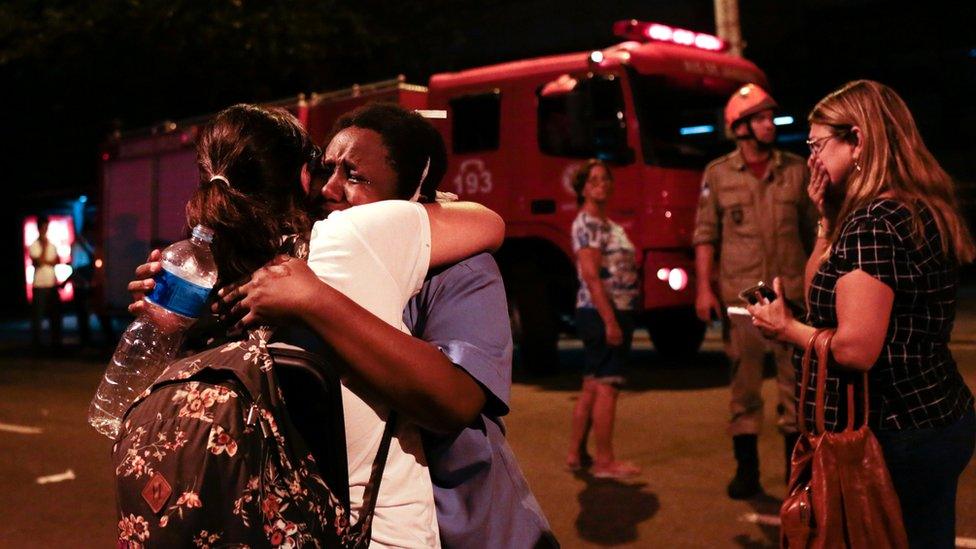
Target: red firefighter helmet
x=745, y=102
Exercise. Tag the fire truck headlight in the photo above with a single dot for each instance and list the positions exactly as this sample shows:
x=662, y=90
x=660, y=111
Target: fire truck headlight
x=596, y=57
x=662, y=274
x=677, y=279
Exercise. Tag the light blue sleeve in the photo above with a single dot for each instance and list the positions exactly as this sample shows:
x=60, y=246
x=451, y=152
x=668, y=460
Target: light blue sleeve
x=463, y=311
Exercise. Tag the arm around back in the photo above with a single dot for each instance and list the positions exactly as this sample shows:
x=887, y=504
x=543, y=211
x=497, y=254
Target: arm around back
x=373, y=258
x=408, y=374
x=462, y=229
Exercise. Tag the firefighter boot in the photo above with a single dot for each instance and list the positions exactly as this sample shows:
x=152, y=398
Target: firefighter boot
x=745, y=484
x=789, y=440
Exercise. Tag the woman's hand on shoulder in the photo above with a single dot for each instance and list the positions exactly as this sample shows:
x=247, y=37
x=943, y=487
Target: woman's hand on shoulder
x=282, y=290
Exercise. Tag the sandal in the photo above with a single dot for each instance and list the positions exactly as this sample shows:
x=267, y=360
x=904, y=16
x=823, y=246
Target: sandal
x=617, y=470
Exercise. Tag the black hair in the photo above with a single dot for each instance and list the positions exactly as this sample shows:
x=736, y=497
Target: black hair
x=411, y=142
x=43, y=220
x=583, y=173
x=250, y=192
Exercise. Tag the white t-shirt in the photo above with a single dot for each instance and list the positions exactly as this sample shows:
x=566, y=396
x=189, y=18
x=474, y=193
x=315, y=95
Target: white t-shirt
x=378, y=255
x=44, y=276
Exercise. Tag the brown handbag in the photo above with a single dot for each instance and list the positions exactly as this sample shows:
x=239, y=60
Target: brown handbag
x=840, y=493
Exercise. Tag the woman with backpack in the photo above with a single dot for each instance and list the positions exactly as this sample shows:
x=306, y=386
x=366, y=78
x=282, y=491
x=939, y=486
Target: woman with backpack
x=209, y=455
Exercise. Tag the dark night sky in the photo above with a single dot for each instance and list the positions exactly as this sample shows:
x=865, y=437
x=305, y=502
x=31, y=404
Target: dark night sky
x=71, y=72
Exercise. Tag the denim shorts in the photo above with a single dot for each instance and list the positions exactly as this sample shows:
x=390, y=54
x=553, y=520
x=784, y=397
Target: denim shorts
x=600, y=361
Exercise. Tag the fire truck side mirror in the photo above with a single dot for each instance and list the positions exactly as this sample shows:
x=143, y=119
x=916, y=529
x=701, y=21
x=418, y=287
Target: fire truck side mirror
x=562, y=85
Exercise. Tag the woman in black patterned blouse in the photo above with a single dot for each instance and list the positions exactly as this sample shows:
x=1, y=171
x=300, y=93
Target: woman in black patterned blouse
x=884, y=273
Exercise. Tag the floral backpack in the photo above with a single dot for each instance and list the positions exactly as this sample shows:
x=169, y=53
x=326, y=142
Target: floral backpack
x=209, y=456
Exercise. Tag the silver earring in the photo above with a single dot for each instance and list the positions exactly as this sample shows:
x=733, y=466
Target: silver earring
x=857, y=165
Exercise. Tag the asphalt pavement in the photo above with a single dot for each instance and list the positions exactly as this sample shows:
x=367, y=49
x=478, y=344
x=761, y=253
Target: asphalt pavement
x=56, y=478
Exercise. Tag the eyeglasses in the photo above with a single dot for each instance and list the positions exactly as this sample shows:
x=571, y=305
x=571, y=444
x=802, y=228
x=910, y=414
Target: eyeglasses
x=840, y=130
x=817, y=145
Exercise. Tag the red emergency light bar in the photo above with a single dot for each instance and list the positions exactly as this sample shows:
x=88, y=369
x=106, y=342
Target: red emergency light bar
x=644, y=31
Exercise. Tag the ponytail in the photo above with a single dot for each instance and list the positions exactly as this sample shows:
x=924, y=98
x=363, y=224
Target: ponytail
x=250, y=192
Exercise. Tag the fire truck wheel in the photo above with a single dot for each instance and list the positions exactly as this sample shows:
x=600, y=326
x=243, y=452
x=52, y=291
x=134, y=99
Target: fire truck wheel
x=535, y=329
x=675, y=332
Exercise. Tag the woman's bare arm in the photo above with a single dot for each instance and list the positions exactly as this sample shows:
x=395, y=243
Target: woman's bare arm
x=409, y=374
x=864, y=306
x=462, y=229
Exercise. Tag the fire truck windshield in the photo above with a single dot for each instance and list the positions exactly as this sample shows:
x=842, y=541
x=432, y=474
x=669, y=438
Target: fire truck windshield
x=681, y=127
x=585, y=121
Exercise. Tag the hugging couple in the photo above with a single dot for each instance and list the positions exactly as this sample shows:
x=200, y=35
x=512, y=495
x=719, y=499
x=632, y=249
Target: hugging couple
x=405, y=300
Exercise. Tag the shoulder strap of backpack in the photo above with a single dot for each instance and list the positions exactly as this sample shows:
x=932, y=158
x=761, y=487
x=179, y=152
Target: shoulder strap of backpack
x=376, y=475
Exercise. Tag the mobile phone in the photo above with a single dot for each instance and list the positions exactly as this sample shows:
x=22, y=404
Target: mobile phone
x=754, y=294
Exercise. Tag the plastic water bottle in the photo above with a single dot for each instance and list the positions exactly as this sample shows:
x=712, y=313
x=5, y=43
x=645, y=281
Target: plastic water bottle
x=152, y=340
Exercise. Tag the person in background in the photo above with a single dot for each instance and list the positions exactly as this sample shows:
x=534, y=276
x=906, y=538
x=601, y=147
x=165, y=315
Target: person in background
x=754, y=211
x=884, y=273
x=45, y=302
x=606, y=303
x=82, y=277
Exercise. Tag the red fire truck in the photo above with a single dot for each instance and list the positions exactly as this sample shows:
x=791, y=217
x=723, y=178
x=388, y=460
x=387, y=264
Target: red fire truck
x=650, y=106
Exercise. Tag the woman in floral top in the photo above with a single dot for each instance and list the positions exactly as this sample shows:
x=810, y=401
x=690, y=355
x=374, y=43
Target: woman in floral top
x=608, y=296
x=208, y=456
x=884, y=274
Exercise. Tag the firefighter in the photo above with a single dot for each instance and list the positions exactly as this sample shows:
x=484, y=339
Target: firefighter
x=754, y=211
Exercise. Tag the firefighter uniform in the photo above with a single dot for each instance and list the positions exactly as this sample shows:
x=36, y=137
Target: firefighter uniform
x=762, y=228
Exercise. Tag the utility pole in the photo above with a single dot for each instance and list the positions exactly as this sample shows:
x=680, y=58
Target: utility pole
x=727, y=25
